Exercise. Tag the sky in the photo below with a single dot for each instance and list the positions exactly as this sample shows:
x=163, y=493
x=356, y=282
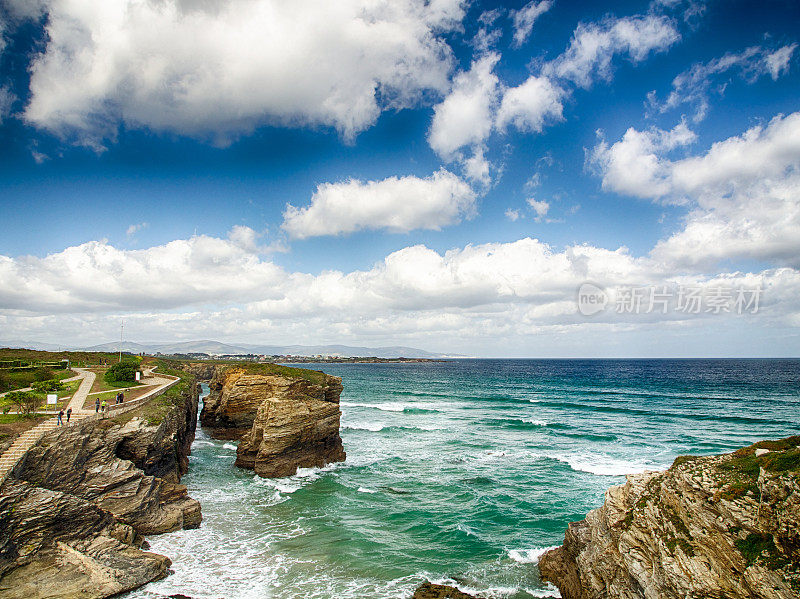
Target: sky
x=541, y=179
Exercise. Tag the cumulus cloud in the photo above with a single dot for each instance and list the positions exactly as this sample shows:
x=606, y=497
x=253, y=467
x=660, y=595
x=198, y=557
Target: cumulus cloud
x=633, y=166
x=695, y=86
x=530, y=105
x=525, y=17
x=539, y=207
x=466, y=116
x=743, y=193
x=463, y=298
x=594, y=45
x=97, y=276
x=219, y=69
x=397, y=204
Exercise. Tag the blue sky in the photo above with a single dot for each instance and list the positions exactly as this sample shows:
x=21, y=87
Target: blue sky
x=149, y=151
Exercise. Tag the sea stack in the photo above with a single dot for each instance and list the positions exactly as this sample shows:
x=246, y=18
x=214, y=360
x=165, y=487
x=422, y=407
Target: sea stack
x=717, y=526
x=285, y=418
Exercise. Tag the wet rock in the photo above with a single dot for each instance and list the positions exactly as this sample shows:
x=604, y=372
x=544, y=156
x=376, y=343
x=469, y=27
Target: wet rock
x=429, y=590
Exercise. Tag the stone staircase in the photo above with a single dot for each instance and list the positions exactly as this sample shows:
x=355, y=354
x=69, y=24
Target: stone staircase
x=29, y=438
x=25, y=441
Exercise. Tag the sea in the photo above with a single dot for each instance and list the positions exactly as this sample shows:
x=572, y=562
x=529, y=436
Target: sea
x=462, y=472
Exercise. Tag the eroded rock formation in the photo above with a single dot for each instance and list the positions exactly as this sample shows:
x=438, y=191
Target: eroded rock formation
x=712, y=527
x=285, y=418
x=430, y=590
x=74, y=511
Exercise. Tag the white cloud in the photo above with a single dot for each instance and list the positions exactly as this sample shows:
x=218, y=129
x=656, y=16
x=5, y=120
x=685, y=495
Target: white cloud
x=778, y=62
x=694, y=86
x=398, y=204
x=541, y=208
x=465, y=116
x=744, y=192
x=525, y=17
x=529, y=105
x=513, y=215
x=633, y=166
x=463, y=299
x=219, y=69
x=133, y=229
x=594, y=45
x=96, y=276
x=477, y=168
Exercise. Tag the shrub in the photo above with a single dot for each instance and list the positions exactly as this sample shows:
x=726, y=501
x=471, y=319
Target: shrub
x=25, y=401
x=123, y=371
x=51, y=386
x=43, y=374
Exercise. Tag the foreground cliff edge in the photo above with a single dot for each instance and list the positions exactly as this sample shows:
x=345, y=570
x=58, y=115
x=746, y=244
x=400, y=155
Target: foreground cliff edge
x=721, y=527
x=284, y=418
x=75, y=509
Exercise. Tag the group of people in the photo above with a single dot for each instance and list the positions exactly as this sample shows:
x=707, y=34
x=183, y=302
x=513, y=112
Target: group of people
x=60, y=421
x=99, y=406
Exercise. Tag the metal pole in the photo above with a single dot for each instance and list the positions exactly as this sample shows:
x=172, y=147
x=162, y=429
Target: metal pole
x=121, y=327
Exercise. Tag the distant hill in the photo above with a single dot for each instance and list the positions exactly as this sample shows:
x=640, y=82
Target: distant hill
x=216, y=347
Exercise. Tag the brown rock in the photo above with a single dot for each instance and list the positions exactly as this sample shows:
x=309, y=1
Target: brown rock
x=707, y=527
x=285, y=418
x=429, y=590
x=296, y=426
x=56, y=545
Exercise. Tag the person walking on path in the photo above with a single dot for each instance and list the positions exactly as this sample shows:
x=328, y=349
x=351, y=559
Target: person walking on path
x=59, y=422
x=69, y=413
x=105, y=408
x=96, y=405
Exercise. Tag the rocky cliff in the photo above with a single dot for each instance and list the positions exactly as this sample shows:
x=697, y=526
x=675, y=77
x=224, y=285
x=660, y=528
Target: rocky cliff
x=74, y=511
x=285, y=418
x=716, y=527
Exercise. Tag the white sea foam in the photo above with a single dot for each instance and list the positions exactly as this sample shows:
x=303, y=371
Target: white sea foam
x=535, y=422
x=364, y=426
x=365, y=490
x=386, y=407
x=529, y=556
x=604, y=465
x=202, y=443
x=229, y=446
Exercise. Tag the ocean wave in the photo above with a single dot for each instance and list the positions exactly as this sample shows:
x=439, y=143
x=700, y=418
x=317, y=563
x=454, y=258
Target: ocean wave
x=390, y=407
x=529, y=556
x=376, y=428
x=365, y=490
x=230, y=446
x=603, y=465
x=372, y=427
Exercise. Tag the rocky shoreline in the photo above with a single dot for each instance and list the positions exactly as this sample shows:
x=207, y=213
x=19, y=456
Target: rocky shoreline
x=74, y=511
x=723, y=526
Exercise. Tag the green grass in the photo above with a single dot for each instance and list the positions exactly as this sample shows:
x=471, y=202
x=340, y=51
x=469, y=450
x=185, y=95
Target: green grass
x=755, y=545
x=783, y=456
x=315, y=377
x=155, y=410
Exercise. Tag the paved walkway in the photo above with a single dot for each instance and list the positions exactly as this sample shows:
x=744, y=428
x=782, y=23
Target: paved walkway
x=29, y=438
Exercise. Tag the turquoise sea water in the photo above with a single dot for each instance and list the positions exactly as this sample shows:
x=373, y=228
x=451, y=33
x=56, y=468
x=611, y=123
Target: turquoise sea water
x=461, y=471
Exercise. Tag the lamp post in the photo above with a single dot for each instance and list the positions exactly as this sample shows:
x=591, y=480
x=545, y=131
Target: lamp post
x=121, y=327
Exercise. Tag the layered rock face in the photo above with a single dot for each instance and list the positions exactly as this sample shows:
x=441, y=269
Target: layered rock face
x=717, y=527
x=283, y=422
x=73, y=512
